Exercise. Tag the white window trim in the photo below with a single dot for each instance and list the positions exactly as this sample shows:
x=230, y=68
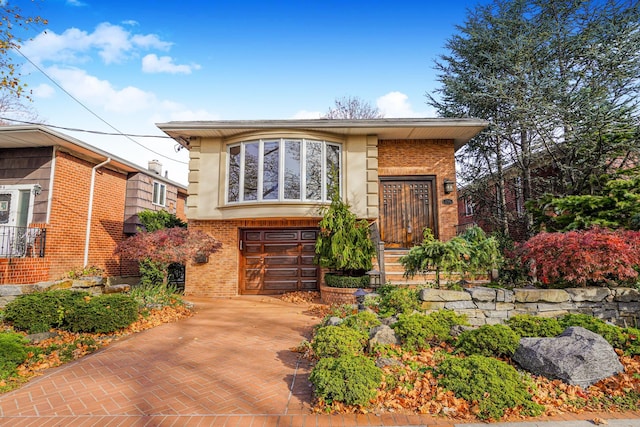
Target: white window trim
x=162, y=194
x=281, y=170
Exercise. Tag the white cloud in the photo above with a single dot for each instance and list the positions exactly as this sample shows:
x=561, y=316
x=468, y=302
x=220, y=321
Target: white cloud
x=396, y=104
x=75, y=3
x=43, y=91
x=130, y=22
x=164, y=64
x=91, y=90
x=73, y=46
x=304, y=114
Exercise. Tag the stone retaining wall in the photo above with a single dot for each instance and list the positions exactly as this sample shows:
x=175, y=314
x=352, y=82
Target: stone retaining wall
x=93, y=285
x=491, y=306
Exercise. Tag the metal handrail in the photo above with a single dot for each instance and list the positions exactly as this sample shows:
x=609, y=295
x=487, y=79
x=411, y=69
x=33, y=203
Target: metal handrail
x=20, y=242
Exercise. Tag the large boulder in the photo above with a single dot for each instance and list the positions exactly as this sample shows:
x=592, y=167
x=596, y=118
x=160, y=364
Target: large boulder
x=577, y=356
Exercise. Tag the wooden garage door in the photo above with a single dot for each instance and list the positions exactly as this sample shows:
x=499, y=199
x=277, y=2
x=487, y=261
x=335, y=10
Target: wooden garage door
x=275, y=261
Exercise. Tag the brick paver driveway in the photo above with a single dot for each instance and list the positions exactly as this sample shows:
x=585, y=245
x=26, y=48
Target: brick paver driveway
x=229, y=365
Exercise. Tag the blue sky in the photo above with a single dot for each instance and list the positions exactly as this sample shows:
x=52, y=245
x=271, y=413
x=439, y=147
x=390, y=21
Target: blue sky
x=139, y=62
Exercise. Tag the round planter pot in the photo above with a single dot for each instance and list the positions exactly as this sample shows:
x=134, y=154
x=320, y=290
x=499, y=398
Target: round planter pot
x=330, y=295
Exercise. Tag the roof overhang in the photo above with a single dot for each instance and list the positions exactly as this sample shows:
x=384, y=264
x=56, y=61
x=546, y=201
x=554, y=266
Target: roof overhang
x=459, y=130
x=35, y=136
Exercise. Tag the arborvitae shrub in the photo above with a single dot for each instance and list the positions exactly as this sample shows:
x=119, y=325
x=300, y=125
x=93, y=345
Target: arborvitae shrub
x=488, y=340
x=494, y=384
x=102, y=313
x=41, y=311
x=335, y=341
x=13, y=351
x=362, y=321
x=527, y=325
x=350, y=379
x=397, y=300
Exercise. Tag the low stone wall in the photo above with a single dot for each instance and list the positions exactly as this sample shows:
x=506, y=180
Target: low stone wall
x=491, y=306
x=93, y=285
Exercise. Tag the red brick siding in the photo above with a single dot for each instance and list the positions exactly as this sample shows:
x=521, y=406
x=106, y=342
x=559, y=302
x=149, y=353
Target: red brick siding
x=220, y=276
x=424, y=157
x=23, y=270
x=67, y=230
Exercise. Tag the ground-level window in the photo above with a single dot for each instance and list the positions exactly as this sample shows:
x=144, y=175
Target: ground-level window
x=282, y=169
x=468, y=206
x=159, y=193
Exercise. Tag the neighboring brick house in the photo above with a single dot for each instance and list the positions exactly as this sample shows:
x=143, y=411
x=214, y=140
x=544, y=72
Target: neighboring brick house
x=258, y=187
x=65, y=205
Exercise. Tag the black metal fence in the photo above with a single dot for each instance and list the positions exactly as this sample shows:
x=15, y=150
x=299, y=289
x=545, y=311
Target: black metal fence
x=20, y=242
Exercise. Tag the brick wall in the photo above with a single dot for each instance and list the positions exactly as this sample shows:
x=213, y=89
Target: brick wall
x=219, y=277
x=67, y=229
x=424, y=157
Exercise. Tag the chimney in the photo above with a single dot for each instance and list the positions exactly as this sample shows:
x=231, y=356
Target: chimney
x=155, y=166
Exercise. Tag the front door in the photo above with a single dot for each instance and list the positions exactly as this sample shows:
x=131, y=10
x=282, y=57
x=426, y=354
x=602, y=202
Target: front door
x=275, y=261
x=8, y=221
x=407, y=207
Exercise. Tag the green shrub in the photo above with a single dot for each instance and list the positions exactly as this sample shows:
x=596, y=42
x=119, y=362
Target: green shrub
x=632, y=344
x=494, y=384
x=417, y=331
x=449, y=318
x=41, y=311
x=335, y=341
x=13, y=351
x=527, y=325
x=158, y=295
x=488, y=340
x=338, y=281
x=363, y=321
x=350, y=379
x=613, y=334
x=102, y=313
x=397, y=300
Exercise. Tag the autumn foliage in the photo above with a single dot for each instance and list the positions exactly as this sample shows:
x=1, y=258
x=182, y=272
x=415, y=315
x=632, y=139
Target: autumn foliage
x=584, y=258
x=168, y=245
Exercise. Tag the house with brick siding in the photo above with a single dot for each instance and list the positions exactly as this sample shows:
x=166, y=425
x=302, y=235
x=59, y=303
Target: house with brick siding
x=258, y=186
x=65, y=204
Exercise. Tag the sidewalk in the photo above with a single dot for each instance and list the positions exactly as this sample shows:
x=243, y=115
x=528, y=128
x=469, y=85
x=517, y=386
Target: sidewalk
x=229, y=365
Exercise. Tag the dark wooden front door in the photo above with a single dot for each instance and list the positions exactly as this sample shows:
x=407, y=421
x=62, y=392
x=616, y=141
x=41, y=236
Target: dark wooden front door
x=407, y=207
x=274, y=261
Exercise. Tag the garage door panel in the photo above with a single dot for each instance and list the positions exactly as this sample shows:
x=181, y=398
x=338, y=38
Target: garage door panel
x=253, y=248
x=309, y=234
x=287, y=235
x=253, y=236
x=308, y=272
x=281, y=260
x=280, y=285
x=309, y=285
x=278, y=260
x=281, y=248
x=270, y=273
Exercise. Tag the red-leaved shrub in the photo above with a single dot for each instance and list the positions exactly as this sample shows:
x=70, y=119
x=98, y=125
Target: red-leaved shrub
x=587, y=257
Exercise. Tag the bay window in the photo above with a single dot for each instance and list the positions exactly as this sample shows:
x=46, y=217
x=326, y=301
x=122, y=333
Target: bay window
x=282, y=169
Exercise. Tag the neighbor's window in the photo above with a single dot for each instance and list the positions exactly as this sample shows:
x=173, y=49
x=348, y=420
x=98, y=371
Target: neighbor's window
x=468, y=206
x=159, y=193
x=282, y=169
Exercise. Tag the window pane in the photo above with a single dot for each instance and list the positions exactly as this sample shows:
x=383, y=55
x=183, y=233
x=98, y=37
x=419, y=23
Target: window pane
x=161, y=197
x=233, y=190
x=313, y=166
x=251, y=171
x=292, y=170
x=155, y=192
x=270, y=170
x=333, y=167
